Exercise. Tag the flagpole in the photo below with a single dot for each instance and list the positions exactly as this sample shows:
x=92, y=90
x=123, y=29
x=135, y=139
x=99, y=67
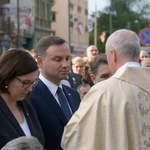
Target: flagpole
x=95, y=25
x=18, y=25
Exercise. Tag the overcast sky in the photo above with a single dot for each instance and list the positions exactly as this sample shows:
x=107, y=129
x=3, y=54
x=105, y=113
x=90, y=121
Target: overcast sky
x=100, y=5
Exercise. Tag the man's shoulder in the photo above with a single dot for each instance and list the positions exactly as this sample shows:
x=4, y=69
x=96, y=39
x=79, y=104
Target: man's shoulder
x=69, y=88
x=39, y=85
x=108, y=83
x=71, y=91
x=138, y=76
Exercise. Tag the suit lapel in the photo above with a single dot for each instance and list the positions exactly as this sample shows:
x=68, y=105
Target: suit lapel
x=10, y=117
x=71, y=98
x=50, y=100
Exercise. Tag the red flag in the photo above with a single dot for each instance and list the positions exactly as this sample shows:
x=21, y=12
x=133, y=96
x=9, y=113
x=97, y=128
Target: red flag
x=103, y=37
x=29, y=17
x=80, y=28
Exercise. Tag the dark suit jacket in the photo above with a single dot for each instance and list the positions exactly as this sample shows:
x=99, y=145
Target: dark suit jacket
x=10, y=128
x=50, y=114
x=74, y=79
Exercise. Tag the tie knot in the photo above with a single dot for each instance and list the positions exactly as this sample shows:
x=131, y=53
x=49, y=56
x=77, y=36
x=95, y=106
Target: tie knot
x=59, y=90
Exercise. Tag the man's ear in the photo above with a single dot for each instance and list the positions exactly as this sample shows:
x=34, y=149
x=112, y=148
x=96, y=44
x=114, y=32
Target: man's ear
x=40, y=61
x=114, y=54
x=92, y=77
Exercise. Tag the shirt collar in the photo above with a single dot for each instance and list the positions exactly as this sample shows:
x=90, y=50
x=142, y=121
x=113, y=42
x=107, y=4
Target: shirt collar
x=129, y=64
x=50, y=85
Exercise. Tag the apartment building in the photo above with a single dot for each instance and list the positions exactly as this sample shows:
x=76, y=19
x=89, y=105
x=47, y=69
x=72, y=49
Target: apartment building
x=26, y=21
x=70, y=21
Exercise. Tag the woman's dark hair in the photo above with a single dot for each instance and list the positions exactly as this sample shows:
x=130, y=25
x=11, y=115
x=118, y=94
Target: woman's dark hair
x=15, y=62
x=86, y=78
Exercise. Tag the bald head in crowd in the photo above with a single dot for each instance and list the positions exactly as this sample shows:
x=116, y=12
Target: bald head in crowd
x=91, y=52
x=143, y=54
x=83, y=89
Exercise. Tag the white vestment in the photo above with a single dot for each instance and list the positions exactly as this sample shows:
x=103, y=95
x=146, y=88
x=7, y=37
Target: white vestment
x=114, y=115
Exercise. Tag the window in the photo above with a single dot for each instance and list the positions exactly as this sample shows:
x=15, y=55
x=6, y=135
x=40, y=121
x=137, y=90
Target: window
x=79, y=9
x=86, y=29
x=53, y=16
x=71, y=6
x=71, y=24
x=86, y=12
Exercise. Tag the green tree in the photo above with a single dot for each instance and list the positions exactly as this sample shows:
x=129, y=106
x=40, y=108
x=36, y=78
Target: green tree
x=102, y=26
x=129, y=14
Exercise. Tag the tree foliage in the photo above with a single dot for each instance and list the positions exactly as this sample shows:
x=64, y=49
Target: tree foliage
x=129, y=14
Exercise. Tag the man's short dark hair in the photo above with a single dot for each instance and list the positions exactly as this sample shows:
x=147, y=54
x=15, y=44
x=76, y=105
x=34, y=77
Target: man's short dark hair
x=45, y=42
x=100, y=59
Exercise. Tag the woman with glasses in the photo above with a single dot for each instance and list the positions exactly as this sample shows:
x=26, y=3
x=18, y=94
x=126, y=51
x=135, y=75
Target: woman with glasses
x=18, y=74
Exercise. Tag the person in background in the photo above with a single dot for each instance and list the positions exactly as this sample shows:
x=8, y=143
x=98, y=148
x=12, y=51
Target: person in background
x=24, y=143
x=114, y=114
x=99, y=69
x=91, y=52
x=18, y=74
x=73, y=79
x=145, y=62
x=85, y=59
x=78, y=65
x=54, y=102
x=76, y=72
x=87, y=75
x=83, y=89
x=33, y=54
x=143, y=55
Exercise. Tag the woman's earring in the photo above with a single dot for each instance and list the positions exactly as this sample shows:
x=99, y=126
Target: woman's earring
x=6, y=86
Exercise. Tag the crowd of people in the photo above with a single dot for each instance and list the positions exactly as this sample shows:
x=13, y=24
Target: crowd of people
x=96, y=102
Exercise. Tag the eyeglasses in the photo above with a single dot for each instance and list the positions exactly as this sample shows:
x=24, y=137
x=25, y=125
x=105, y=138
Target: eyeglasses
x=27, y=83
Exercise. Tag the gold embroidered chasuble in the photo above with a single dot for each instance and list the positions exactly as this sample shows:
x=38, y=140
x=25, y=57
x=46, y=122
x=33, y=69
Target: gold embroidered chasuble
x=114, y=115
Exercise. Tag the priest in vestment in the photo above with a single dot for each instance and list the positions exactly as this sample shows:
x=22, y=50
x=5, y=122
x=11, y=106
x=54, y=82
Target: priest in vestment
x=115, y=113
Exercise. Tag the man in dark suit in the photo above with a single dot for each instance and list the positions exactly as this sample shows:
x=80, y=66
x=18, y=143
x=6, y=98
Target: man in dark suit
x=74, y=79
x=54, y=64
